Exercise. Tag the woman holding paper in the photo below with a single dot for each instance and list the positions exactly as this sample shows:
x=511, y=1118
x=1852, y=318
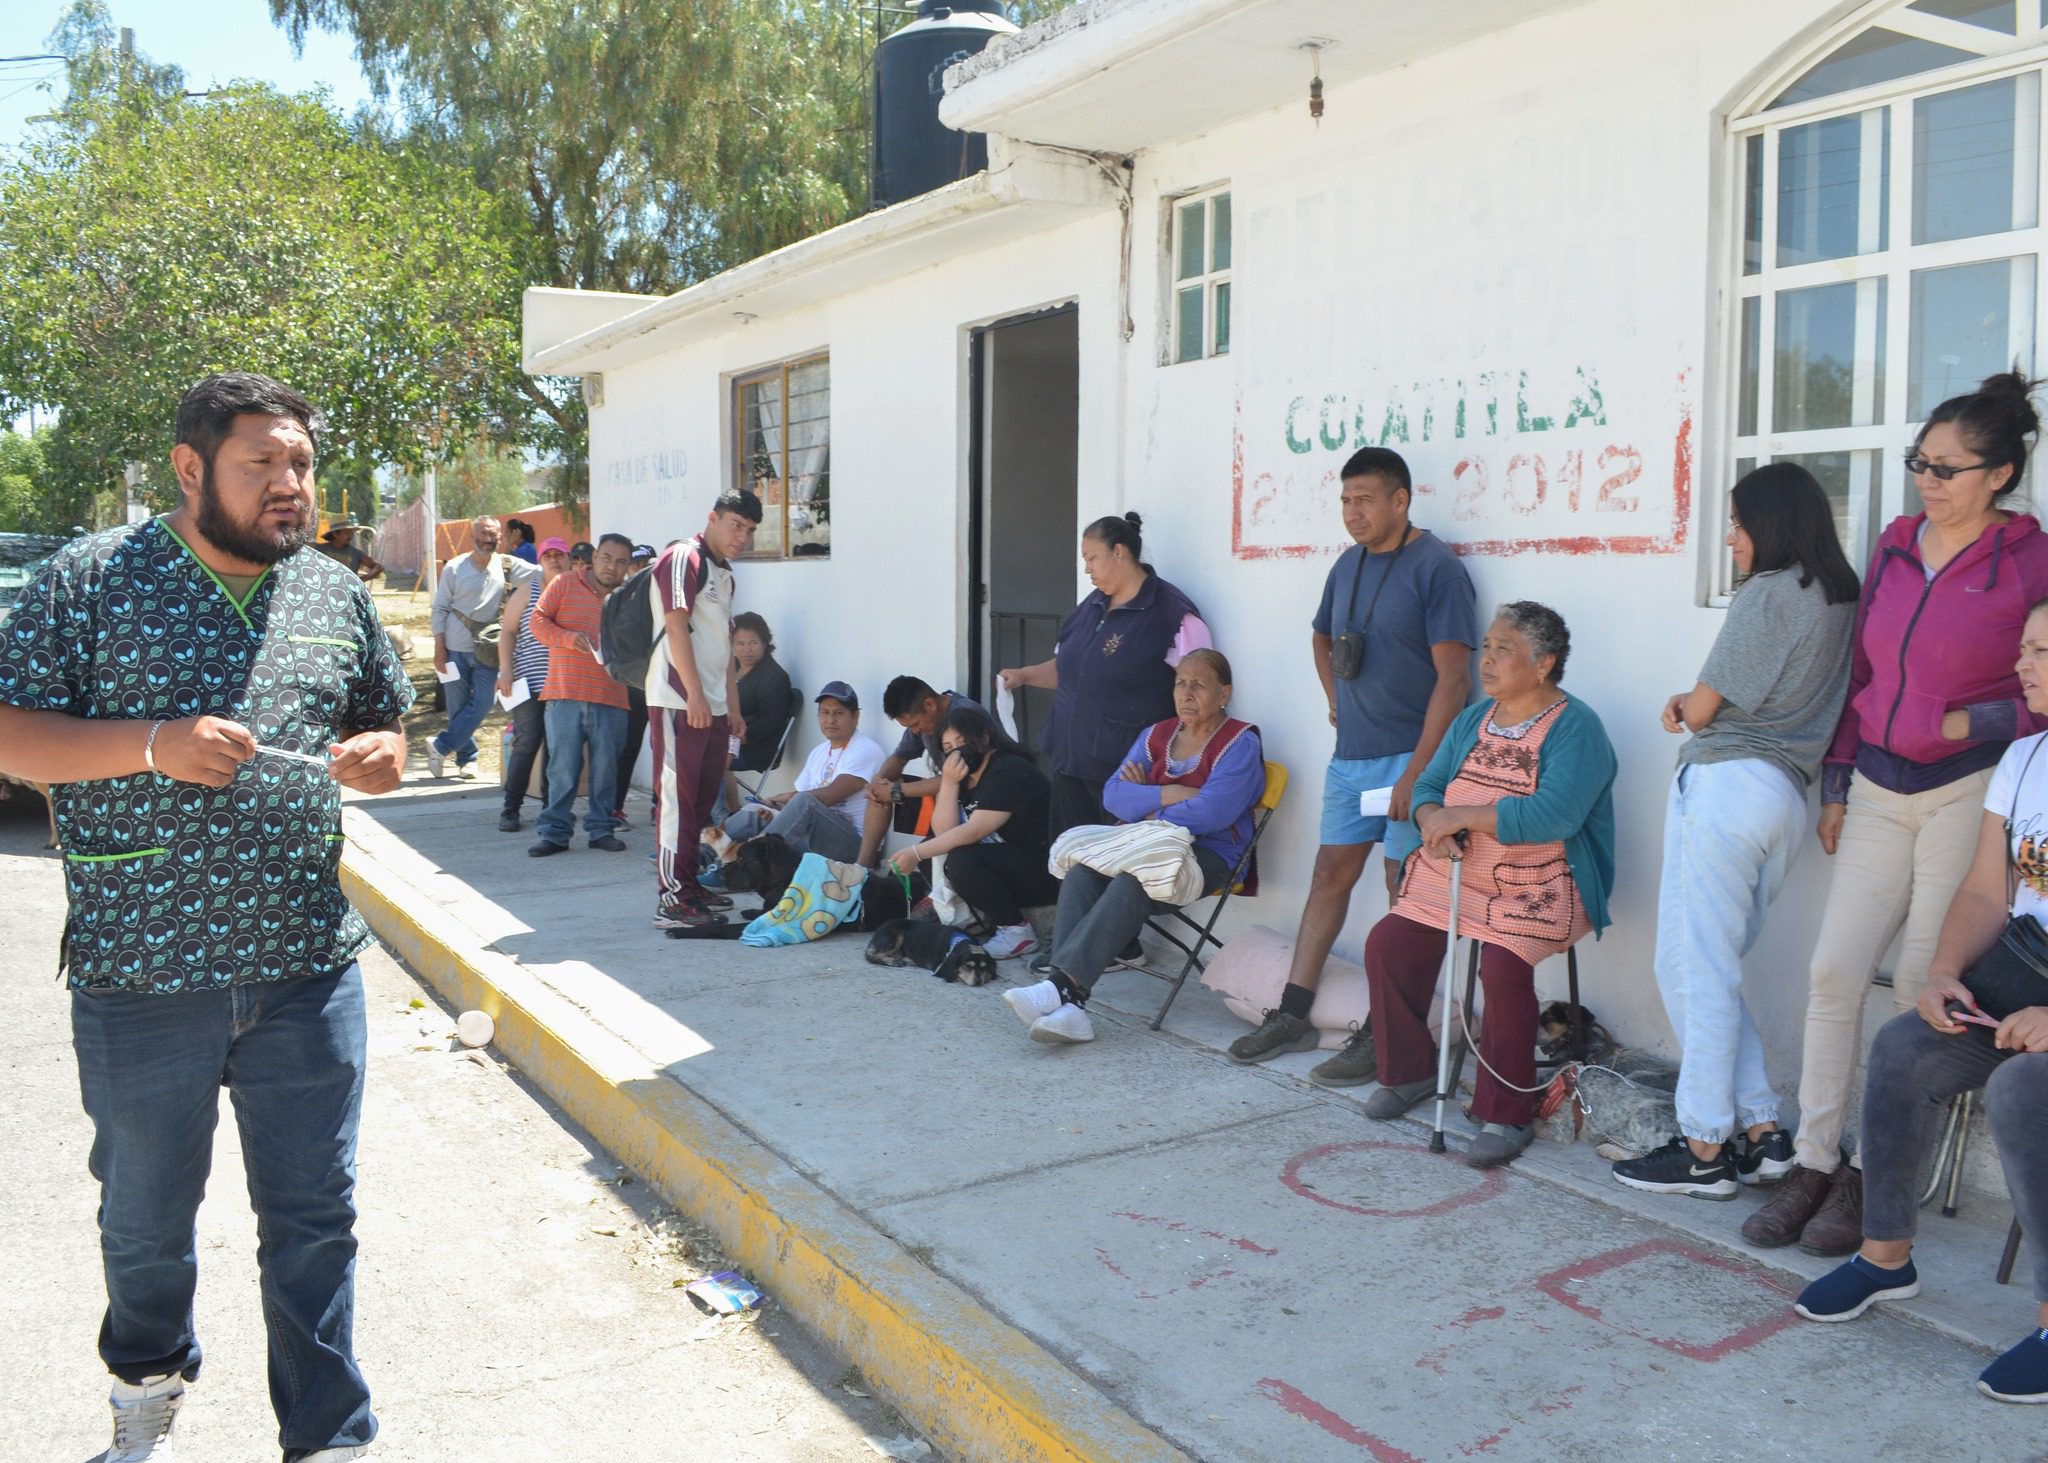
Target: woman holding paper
x=521, y=674
x=1112, y=667
x=1521, y=791
x=1199, y=769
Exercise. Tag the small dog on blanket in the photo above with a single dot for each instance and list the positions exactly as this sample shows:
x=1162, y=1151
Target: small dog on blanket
x=762, y=866
x=946, y=952
x=9, y=784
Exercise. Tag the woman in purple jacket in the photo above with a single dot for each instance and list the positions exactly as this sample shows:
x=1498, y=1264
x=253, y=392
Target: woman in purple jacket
x=1933, y=703
x=1200, y=769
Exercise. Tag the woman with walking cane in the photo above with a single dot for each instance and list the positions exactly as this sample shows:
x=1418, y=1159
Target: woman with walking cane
x=1521, y=795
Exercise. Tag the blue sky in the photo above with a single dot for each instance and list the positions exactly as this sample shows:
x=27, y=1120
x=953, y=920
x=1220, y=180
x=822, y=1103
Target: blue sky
x=213, y=40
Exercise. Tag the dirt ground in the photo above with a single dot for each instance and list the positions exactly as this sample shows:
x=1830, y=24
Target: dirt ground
x=409, y=611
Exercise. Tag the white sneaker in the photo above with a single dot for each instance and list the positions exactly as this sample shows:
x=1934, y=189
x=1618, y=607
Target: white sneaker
x=1068, y=1023
x=338, y=1455
x=1010, y=941
x=437, y=761
x=466, y=772
x=143, y=1415
x=1033, y=1001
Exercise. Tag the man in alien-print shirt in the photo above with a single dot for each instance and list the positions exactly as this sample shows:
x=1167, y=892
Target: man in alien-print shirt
x=197, y=690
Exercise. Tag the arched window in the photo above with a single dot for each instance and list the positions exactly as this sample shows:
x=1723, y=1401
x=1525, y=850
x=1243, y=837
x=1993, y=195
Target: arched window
x=1890, y=245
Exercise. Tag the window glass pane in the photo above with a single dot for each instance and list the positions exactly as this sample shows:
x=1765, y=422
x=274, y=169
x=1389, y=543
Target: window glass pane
x=810, y=459
x=1974, y=159
x=1188, y=325
x=1745, y=410
x=760, y=465
x=1968, y=322
x=1867, y=58
x=1219, y=241
x=1223, y=318
x=1753, y=204
x=1829, y=362
x=1190, y=240
x=1833, y=187
x=1843, y=476
x=1991, y=14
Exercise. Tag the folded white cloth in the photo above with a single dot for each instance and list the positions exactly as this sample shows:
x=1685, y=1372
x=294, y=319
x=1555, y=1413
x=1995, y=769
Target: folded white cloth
x=1159, y=855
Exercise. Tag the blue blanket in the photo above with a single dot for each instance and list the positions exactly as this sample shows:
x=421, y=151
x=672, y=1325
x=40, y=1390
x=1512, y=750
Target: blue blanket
x=820, y=895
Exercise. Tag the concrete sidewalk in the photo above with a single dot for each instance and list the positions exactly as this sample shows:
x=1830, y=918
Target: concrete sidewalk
x=1135, y=1249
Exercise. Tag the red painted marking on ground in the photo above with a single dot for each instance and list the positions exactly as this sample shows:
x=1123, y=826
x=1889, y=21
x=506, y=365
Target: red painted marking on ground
x=1110, y=1265
x=1294, y=1401
x=1562, y=1404
x=1201, y=1280
x=1177, y=1227
x=1433, y=1361
x=1484, y=1445
x=1491, y=1186
x=1553, y=1285
x=1476, y=1314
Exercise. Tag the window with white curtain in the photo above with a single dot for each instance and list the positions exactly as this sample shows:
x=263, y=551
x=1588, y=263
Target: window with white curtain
x=1890, y=248
x=782, y=418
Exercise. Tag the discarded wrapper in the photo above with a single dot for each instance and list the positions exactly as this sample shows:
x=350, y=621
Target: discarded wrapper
x=725, y=1294
x=1375, y=801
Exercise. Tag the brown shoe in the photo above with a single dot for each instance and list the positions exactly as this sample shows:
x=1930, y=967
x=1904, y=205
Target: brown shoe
x=1838, y=1228
x=1799, y=1196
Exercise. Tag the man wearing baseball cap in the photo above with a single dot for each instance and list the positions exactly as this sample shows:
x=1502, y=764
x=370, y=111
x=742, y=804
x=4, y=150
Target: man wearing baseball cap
x=822, y=813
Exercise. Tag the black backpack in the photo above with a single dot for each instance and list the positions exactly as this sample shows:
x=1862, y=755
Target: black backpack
x=625, y=630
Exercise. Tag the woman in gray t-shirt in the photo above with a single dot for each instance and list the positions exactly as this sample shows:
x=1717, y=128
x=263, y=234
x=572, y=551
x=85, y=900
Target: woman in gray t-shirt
x=1761, y=717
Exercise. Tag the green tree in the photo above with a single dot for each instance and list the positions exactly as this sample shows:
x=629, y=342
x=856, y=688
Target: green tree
x=147, y=239
x=348, y=485
x=486, y=478
x=28, y=501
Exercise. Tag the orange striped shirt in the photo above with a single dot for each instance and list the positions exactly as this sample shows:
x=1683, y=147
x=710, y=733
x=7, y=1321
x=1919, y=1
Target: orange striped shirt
x=574, y=605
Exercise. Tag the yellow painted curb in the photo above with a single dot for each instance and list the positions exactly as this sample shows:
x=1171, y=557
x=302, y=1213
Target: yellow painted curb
x=976, y=1385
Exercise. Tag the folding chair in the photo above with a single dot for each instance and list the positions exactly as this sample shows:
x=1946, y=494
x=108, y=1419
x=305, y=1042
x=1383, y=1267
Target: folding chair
x=1204, y=936
x=796, y=701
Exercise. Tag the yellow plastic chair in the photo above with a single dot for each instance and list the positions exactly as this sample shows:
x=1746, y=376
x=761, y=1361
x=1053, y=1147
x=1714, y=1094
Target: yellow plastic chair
x=1163, y=925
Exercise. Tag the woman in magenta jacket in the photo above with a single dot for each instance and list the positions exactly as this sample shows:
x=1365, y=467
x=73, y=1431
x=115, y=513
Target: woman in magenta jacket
x=1933, y=703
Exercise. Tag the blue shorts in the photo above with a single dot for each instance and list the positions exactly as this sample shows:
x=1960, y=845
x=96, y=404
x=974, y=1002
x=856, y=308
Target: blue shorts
x=1344, y=824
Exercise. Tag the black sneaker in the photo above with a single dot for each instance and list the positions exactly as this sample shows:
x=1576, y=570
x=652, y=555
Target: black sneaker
x=1278, y=1034
x=1766, y=1160
x=509, y=823
x=1674, y=1169
x=609, y=844
x=545, y=849
x=1355, y=1064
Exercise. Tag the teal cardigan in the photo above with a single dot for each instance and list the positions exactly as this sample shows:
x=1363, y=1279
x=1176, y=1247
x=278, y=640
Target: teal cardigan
x=1573, y=802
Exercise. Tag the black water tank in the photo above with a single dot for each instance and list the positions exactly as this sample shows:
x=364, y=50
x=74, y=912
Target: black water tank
x=914, y=151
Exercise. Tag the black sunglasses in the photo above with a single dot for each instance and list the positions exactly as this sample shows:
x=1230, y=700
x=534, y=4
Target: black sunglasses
x=1916, y=464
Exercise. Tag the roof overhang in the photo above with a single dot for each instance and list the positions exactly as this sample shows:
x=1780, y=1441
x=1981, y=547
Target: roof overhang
x=1024, y=191
x=1120, y=76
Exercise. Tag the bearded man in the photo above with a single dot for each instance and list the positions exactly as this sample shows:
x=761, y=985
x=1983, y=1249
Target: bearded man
x=197, y=690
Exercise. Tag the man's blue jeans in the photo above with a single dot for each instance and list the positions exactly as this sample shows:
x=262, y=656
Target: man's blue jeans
x=575, y=728
x=150, y=1070
x=469, y=702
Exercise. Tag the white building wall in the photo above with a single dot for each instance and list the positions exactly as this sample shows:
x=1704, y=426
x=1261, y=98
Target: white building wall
x=1516, y=248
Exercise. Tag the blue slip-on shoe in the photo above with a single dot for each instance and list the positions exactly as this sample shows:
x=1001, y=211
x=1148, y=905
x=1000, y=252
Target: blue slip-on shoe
x=2021, y=1375
x=1850, y=1289
x=712, y=878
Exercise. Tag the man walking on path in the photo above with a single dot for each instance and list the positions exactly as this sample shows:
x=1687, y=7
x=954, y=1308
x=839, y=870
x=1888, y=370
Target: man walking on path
x=1393, y=642
x=196, y=690
x=693, y=703
x=584, y=708
x=467, y=599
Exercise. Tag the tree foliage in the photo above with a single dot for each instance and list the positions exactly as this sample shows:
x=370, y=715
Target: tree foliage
x=148, y=239
x=652, y=145
x=483, y=479
x=29, y=502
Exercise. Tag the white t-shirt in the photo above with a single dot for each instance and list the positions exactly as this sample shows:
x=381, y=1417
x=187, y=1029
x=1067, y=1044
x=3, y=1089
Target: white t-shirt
x=860, y=757
x=2019, y=794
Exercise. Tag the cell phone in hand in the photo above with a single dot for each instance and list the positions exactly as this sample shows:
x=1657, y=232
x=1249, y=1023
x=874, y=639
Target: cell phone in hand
x=1957, y=1011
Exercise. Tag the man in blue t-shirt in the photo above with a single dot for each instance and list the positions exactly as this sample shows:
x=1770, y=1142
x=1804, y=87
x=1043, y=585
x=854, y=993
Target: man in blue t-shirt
x=1393, y=644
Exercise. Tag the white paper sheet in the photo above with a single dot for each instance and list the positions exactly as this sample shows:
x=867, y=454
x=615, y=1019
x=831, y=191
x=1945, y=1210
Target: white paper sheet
x=450, y=674
x=1375, y=801
x=519, y=697
x=1006, y=711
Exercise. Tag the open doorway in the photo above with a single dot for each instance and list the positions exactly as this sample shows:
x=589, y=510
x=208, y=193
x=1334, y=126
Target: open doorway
x=1023, y=463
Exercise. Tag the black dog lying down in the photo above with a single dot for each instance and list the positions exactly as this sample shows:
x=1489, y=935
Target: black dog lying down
x=945, y=952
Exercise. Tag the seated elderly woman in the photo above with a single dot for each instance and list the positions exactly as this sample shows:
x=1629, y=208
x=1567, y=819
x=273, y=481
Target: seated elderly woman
x=822, y=813
x=990, y=817
x=1981, y=1024
x=1521, y=792
x=1199, y=769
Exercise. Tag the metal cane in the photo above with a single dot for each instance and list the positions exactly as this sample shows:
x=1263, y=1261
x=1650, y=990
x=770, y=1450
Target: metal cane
x=1443, y=1048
